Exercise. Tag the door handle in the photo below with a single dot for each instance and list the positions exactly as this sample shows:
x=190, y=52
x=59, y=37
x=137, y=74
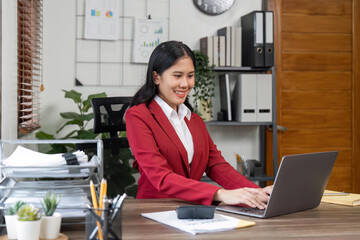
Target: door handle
x=279, y=128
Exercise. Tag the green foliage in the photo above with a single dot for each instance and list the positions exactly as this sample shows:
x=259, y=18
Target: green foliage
x=15, y=207
x=50, y=203
x=204, y=82
x=28, y=213
x=117, y=169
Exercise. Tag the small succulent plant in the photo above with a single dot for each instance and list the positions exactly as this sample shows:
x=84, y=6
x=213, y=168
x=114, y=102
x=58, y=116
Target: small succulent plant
x=28, y=212
x=50, y=203
x=14, y=208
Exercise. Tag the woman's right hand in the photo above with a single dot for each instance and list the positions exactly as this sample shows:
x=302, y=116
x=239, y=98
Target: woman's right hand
x=253, y=197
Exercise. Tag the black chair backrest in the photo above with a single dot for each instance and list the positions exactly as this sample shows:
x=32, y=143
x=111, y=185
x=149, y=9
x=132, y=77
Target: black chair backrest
x=109, y=115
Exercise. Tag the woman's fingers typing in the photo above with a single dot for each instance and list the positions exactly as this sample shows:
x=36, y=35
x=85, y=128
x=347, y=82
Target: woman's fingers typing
x=253, y=197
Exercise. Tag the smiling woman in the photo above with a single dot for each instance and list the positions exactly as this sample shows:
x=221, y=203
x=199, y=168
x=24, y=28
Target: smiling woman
x=170, y=143
x=175, y=83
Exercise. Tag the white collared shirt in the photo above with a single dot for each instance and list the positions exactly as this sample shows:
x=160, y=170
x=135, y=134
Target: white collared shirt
x=177, y=121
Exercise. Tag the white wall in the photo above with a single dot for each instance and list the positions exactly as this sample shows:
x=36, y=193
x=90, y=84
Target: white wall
x=9, y=70
x=186, y=23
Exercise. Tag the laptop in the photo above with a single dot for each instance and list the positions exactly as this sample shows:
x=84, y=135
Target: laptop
x=299, y=185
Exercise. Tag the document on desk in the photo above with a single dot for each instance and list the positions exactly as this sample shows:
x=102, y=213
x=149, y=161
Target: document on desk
x=219, y=223
x=348, y=199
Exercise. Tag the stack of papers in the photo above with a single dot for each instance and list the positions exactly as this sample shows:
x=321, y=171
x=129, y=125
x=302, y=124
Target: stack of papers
x=219, y=223
x=24, y=163
x=348, y=199
x=72, y=201
x=23, y=157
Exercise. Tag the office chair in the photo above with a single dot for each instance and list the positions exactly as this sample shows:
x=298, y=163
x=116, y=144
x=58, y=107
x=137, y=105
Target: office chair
x=109, y=115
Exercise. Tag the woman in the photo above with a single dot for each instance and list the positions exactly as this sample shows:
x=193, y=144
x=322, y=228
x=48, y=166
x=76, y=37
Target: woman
x=171, y=144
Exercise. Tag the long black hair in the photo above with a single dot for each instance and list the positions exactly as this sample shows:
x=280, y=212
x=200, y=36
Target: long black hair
x=163, y=57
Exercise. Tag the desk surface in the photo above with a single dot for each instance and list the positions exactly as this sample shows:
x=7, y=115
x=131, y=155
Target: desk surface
x=328, y=221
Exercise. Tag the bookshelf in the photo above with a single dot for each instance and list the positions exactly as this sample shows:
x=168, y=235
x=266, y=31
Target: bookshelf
x=262, y=125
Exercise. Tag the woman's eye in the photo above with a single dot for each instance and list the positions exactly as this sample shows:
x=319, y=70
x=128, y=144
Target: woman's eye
x=191, y=75
x=177, y=76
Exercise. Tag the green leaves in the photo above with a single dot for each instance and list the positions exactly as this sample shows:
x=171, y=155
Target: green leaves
x=28, y=213
x=87, y=102
x=74, y=95
x=12, y=210
x=204, y=81
x=50, y=203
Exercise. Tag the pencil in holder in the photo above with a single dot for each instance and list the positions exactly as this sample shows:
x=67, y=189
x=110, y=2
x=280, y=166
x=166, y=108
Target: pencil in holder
x=107, y=219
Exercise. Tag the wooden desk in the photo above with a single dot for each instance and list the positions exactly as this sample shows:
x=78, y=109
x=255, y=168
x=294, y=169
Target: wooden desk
x=328, y=221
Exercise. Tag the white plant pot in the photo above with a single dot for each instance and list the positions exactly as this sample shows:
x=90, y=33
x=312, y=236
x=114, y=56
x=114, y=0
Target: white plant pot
x=204, y=111
x=50, y=226
x=10, y=221
x=28, y=230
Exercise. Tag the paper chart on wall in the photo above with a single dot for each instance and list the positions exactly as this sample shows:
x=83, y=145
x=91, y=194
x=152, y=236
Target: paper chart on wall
x=102, y=19
x=148, y=34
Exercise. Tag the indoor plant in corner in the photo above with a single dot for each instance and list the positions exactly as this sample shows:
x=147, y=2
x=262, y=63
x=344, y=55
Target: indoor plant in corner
x=28, y=223
x=204, y=86
x=51, y=221
x=10, y=219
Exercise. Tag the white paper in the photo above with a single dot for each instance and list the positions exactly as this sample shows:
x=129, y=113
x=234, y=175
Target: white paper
x=148, y=34
x=23, y=157
x=72, y=201
x=102, y=19
x=194, y=226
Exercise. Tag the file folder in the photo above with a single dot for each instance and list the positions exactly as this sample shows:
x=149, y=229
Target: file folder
x=252, y=25
x=264, y=97
x=221, y=50
x=269, y=39
x=206, y=47
x=237, y=48
x=245, y=97
x=233, y=47
x=226, y=32
x=216, y=51
x=225, y=96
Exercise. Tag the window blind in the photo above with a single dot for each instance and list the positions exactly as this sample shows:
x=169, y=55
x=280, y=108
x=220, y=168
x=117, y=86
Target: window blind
x=29, y=64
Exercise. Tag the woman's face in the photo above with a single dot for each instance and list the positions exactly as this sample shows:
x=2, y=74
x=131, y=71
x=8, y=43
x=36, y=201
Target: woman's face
x=175, y=83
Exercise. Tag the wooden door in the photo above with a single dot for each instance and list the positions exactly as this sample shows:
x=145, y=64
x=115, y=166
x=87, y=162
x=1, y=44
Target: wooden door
x=317, y=83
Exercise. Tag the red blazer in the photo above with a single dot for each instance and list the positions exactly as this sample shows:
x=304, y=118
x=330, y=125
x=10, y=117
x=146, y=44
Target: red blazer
x=162, y=160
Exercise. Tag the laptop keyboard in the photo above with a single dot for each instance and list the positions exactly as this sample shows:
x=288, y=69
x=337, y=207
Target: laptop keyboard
x=255, y=211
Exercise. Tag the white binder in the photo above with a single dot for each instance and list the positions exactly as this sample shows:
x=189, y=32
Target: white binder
x=245, y=98
x=264, y=98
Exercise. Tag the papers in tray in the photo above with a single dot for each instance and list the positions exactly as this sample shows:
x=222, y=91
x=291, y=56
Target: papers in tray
x=23, y=157
x=219, y=223
x=24, y=162
x=72, y=201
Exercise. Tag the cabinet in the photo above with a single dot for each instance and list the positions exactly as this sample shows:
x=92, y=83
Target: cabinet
x=262, y=125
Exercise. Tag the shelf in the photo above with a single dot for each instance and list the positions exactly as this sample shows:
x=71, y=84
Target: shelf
x=236, y=123
x=242, y=69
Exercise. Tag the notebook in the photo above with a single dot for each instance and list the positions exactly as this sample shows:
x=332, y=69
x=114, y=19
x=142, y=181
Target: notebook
x=299, y=185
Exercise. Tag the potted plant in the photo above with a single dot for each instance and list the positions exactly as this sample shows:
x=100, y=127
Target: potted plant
x=204, y=86
x=10, y=219
x=28, y=223
x=51, y=221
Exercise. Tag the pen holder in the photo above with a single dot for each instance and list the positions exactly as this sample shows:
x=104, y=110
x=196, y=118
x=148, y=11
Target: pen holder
x=108, y=219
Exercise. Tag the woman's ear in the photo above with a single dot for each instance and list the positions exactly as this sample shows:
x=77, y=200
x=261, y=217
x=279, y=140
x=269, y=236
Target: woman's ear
x=156, y=78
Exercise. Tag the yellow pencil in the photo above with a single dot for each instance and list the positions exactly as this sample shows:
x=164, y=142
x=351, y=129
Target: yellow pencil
x=105, y=191
x=95, y=204
x=101, y=198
